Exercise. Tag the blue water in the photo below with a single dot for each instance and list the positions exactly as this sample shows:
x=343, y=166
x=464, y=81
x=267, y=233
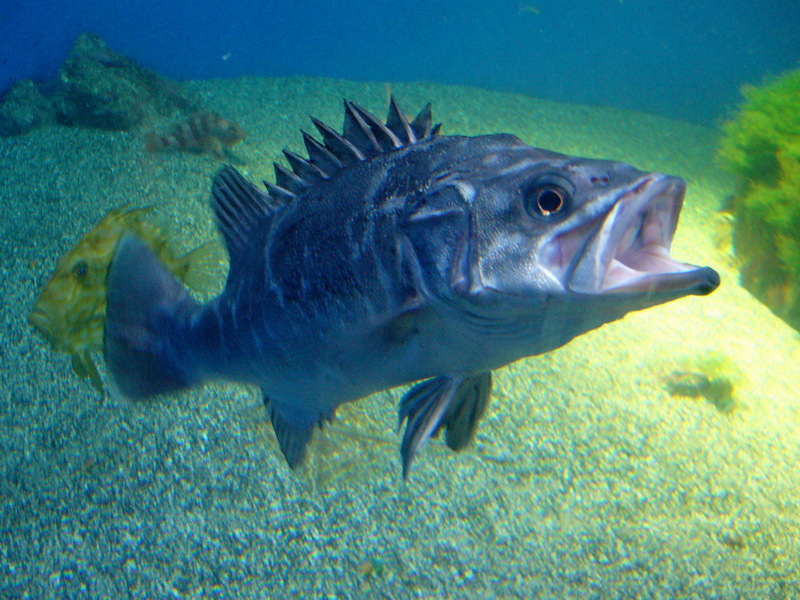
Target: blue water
x=588, y=477
x=679, y=59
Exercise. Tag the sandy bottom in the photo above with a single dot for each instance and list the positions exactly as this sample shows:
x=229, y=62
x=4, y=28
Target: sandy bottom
x=587, y=479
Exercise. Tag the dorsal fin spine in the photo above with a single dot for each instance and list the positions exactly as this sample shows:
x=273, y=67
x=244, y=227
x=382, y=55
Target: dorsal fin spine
x=320, y=155
x=307, y=170
x=421, y=125
x=338, y=144
x=356, y=130
x=383, y=135
x=288, y=180
x=396, y=121
x=278, y=192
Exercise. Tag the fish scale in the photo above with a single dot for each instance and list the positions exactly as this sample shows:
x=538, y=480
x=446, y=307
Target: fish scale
x=394, y=254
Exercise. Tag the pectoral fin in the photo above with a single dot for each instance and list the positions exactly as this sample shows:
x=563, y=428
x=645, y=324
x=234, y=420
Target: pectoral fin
x=457, y=403
x=461, y=420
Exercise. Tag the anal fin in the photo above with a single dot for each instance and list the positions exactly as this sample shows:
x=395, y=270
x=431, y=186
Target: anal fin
x=456, y=403
x=293, y=430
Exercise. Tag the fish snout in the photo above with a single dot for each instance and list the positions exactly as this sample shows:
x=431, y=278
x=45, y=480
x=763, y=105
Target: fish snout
x=42, y=322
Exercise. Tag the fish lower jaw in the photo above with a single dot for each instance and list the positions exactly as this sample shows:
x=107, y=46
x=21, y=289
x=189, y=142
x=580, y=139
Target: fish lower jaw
x=645, y=269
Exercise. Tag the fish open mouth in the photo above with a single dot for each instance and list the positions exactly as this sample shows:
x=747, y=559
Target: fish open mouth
x=629, y=249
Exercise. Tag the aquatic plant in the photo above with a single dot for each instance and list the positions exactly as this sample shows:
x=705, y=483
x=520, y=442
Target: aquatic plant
x=722, y=236
x=768, y=123
x=761, y=146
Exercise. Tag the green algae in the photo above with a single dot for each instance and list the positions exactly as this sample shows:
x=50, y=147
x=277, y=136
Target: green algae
x=761, y=146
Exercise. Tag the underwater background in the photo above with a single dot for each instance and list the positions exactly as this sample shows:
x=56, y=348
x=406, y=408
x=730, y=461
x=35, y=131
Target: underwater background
x=604, y=469
x=679, y=59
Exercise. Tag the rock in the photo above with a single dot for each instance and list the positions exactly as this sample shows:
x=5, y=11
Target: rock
x=96, y=87
x=104, y=89
x=23, y=108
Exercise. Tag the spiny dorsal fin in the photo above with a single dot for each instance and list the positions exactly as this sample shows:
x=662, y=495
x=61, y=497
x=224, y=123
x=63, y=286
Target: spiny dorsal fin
x=363, y=136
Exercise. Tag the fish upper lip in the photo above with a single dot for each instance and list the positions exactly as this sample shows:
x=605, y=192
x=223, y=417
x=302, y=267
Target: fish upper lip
x=627, y=248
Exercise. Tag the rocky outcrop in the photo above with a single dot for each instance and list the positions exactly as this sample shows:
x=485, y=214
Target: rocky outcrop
x=96, y=87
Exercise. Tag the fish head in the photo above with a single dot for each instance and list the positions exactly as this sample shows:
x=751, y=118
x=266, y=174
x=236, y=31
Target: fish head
x=583, y=241
x=70, y=309
x=227, y=132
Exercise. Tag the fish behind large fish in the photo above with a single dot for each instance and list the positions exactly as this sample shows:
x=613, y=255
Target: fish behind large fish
x=70, y=309
x=394, y=254
x=200, y=132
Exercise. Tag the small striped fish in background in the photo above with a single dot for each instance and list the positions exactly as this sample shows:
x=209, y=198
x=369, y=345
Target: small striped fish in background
x=202, y=132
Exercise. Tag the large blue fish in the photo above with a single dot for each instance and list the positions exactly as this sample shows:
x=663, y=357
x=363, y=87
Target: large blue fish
x=394, y=254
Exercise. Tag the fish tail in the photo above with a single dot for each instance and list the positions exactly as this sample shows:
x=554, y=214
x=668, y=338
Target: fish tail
x=147, y=314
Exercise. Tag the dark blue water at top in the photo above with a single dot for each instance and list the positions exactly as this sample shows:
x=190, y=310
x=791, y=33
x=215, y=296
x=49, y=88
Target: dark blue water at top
x=679, y=59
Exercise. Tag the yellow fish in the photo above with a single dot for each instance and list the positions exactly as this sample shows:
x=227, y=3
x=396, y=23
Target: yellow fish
x=70, y=310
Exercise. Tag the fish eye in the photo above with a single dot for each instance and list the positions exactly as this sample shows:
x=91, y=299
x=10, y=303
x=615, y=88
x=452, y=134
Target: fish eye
x=548, y=198
x=80, y=269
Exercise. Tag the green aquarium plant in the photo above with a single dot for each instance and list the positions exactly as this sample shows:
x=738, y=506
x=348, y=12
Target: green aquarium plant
x=761, y=145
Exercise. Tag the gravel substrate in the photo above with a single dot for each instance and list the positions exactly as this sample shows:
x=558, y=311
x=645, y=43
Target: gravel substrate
x=587, y=480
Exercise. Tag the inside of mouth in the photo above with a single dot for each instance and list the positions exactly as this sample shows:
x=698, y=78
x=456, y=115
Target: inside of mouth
x=643, y=251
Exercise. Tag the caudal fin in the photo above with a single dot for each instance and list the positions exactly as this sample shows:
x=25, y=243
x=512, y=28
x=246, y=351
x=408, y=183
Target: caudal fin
x=145, y=313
